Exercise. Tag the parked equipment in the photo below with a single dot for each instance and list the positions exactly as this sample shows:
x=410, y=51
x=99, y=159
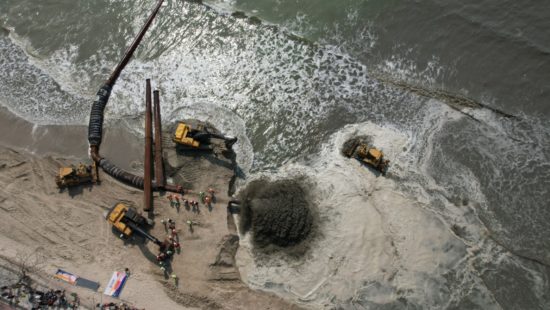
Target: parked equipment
x=127, y=221
x=72, y=176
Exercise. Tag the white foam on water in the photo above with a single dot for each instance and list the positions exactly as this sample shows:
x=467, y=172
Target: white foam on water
x=30, y=92
x=403, y=68
x=388, y=239
x=377, y=243
x=241, y=77
x=222, y=6
x=60, y=66
x=255, y=72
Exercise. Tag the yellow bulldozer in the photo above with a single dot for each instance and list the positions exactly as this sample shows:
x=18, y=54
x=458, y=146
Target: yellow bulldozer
x=72, y=176
x=127, y=221
x=185, y=136
x=360, y=149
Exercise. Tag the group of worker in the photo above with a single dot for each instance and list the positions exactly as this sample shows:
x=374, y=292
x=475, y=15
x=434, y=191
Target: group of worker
x=169, y=247
x=206, y=198
x=171, y=243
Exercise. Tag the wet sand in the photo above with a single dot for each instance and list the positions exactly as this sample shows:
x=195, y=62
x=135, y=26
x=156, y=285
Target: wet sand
x=68, y=227
x=119, y=145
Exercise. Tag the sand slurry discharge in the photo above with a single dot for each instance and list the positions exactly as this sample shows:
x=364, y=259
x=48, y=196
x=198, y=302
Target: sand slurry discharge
x=69, y=228
x=277, y=213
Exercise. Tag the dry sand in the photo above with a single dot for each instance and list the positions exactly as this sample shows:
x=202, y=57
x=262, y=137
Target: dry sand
x=69, y=229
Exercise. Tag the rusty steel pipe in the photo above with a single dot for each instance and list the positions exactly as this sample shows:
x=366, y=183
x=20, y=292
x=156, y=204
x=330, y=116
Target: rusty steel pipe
x=95, y=126
x=147, y=161
x=159, y=166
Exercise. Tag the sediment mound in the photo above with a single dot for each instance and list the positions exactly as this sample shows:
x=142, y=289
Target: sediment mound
x=276, y=212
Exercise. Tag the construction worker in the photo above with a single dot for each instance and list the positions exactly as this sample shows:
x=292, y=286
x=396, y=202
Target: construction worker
x=161, y=257
x=207, y=202
x=191, y=224
x=211, y=192
x=201, y=196
x=173, y=231
x=177, y=247
x=173, y=276
x=171, y=198
x=177, y=201
x=167, y=222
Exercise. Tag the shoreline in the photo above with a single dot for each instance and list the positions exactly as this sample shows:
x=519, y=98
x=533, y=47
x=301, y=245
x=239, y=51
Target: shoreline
x=68, y=141
x=69, y=228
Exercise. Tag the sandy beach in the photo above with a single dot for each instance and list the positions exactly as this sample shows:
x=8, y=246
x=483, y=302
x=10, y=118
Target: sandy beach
x=67, y=227
x=444, y=205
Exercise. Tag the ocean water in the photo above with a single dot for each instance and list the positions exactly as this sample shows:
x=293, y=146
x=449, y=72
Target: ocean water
x=313, y=73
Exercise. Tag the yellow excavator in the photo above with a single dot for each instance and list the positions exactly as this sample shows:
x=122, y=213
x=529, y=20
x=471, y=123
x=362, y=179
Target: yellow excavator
x=361, y=150
x=182, y=136
x=72, y=176
x=127, y=220
x=198, y=138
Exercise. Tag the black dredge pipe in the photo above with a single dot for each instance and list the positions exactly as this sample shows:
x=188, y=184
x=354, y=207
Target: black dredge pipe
x=95, y=125
x=121, y=174
x=134, y=180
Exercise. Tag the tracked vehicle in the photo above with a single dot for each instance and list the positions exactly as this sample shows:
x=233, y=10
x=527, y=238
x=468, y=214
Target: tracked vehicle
x=127, y=220
x=198, y=137
x=73, y=176
x=360, y=149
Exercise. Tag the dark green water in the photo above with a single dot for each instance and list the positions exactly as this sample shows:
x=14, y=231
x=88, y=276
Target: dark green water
x=284, y=97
